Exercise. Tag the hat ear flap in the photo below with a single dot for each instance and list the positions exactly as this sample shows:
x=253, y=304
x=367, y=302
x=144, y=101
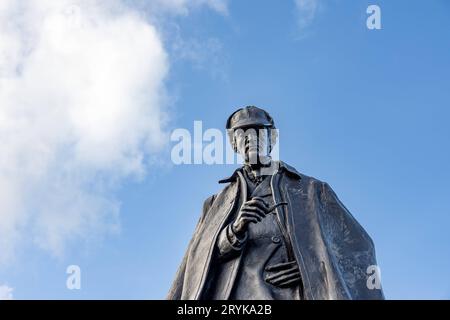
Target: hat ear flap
x=232, y=139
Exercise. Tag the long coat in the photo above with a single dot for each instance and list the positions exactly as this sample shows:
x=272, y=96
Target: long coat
x=331, y=248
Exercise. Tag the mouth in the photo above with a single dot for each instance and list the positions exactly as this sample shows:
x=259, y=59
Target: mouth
x=250, y=148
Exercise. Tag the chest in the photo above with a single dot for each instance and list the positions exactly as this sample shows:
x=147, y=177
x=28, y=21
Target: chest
x=267, y=230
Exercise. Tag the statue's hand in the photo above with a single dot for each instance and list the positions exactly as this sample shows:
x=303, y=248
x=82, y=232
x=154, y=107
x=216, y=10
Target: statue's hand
x=283, y=274
x=252, y=211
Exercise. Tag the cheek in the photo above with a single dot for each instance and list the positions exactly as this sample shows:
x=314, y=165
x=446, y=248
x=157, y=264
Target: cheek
x=263, y=143
x=240, y=145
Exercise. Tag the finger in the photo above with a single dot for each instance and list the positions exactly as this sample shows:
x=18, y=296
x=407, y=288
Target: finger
x=282, y=273
x=255, y=202
x=284, y=279
x=251, y=215
x=248, y=220
x=289, y=282
x=259, y=211
x=260, y=199
x=281, y=266
x=260, y=204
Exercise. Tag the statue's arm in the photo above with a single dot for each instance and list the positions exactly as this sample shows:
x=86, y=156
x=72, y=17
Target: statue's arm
x=228, y=244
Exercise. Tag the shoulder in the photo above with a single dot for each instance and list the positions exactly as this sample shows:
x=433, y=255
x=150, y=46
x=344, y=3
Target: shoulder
x=314, y=187
x=229, y=191
x=305, y=179
x=208, y=202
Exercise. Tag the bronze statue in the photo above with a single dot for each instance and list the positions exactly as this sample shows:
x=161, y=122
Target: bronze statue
x=282, y=235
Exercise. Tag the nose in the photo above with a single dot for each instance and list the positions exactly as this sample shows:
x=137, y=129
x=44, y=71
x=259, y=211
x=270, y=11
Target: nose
x=251, y=141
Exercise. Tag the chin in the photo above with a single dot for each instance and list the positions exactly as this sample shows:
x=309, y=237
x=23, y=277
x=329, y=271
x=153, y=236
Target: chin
x=252, y=158
x=255, y=161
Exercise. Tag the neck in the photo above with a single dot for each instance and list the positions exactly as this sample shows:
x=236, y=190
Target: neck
x=256, y=168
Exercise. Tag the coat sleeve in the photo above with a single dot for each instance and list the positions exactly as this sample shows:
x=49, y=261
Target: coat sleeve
x=351, y=248
x=177, y=286
x=228, y=244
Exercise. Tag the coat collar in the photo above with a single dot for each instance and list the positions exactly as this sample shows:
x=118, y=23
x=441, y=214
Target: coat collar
x=281, y=167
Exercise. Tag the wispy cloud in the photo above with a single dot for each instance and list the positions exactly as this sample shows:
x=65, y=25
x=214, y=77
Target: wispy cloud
x=6, y=293
x=183, y=6
x=306, y=11
x=180, y=7
x=204, y=55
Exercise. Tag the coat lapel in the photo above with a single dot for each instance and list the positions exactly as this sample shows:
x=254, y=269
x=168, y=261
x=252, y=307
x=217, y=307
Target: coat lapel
x=199, y=258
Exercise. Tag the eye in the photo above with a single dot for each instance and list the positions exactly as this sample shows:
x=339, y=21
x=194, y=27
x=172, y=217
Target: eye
x=263, y=135
x=239, y=133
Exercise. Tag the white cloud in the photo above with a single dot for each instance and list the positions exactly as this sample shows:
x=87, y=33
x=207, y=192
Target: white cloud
x=306, y=11
x=81, y=106
x=6, y=293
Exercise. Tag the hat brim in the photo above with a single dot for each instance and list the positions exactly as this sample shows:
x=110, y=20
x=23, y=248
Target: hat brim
x=250, y=123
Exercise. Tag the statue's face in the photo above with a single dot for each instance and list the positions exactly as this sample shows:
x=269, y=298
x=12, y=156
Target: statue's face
x=253, y=145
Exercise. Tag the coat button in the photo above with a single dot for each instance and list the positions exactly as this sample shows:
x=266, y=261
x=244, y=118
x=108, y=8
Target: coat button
x=276, y=239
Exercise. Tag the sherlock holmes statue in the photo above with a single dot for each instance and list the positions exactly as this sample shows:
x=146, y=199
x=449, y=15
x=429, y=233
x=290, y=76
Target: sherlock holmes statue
x=282, y=235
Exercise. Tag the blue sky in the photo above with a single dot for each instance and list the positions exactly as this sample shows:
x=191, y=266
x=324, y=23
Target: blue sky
x=365, y=110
